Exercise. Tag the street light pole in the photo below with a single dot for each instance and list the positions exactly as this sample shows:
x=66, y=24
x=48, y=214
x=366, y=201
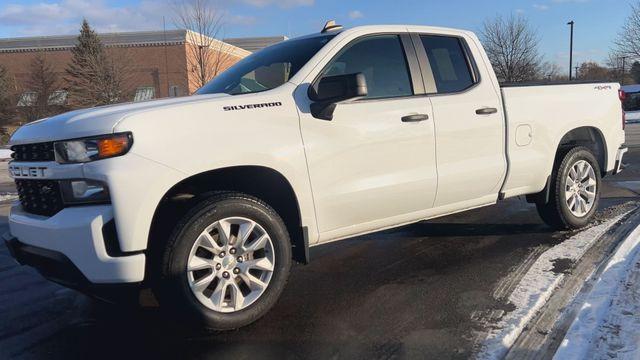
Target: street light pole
x=624, y=69
x=571, y=23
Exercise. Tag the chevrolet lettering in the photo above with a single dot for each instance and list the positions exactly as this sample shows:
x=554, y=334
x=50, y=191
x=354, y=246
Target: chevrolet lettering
x=17, y=171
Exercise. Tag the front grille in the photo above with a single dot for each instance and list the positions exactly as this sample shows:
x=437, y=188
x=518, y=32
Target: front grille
x=33, y=152
x=40, y=197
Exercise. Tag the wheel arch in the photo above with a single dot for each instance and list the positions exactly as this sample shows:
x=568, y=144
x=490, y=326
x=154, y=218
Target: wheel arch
x=262, y=182
x=589, y=137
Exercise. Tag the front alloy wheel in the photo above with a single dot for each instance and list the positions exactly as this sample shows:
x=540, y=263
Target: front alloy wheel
x=226, y=263
x=230, y=264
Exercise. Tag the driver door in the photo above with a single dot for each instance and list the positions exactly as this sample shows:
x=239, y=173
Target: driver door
x=374, y=164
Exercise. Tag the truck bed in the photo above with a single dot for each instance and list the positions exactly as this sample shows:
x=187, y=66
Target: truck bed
x=550, y=83
x=539, y=115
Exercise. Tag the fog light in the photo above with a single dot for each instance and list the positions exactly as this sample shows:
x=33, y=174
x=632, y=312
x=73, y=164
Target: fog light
x=84, y=191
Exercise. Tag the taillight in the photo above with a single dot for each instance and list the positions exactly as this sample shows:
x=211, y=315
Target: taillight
x=623, y=96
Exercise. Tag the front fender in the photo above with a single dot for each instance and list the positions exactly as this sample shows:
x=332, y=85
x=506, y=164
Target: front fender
x=198, y=137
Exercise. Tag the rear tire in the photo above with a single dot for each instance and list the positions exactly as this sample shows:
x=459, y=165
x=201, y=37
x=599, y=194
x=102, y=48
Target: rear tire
x=226, y=263
x=575, y=190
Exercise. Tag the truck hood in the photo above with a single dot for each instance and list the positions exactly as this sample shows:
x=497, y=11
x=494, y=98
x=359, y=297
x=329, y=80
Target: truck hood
x=92, y=121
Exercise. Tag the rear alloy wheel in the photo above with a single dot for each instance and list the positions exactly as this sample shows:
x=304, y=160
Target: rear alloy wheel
x=226, y=263
x=575, y=190
x=581, y=188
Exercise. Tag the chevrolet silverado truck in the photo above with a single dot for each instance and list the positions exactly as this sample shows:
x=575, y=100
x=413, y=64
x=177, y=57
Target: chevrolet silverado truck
x=207, y=200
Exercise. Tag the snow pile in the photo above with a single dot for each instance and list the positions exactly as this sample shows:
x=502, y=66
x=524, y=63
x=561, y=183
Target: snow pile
x=608, y=324
x=8, y=197
x=5, y=154
x=536, y=287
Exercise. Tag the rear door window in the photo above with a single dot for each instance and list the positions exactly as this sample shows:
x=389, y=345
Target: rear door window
x=451, y=69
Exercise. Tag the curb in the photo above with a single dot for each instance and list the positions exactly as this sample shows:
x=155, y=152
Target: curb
x=512, y=336
x=595, y=305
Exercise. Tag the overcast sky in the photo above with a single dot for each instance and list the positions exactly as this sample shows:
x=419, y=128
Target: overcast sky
x=597, y=21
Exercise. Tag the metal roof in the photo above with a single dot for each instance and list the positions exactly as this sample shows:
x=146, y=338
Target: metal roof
x=254, y=44
x=122, y=39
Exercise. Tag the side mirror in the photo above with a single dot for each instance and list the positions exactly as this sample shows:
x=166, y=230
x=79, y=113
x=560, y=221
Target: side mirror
x=332, y=90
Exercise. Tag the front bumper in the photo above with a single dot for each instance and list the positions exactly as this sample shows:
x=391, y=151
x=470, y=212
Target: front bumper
x=71, y=247
x=58, y=268
x=53, y=265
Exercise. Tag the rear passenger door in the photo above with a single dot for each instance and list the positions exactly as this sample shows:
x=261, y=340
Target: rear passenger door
x=468, y=121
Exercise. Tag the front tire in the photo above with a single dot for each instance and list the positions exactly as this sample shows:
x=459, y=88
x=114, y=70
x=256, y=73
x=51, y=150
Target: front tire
x=226, y=263
x=575, y=191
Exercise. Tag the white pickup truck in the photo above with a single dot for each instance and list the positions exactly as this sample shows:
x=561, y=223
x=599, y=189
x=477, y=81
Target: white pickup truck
x=208, y=199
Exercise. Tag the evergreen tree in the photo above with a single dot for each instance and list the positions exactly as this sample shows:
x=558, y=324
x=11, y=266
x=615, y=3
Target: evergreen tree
x=83, y=71
x=93, y=78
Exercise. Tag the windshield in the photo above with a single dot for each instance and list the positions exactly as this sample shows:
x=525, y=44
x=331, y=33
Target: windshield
x=266, y=69
x=632, y=102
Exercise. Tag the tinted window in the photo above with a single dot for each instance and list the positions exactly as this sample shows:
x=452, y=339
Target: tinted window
x=632, y=102
x=266, y=69
x=382, y=61
x=448, y=63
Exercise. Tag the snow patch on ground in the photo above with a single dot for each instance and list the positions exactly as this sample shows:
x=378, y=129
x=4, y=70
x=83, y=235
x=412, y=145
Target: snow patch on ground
x=5, y=154
x=536, y=287
x=8, y=197
x=608, y=324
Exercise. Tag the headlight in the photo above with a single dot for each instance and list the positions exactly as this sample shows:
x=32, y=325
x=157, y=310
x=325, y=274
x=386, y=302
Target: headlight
x=84, y=192
x=91, y=149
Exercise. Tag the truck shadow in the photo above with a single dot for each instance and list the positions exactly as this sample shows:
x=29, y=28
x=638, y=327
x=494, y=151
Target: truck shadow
x=474, y=229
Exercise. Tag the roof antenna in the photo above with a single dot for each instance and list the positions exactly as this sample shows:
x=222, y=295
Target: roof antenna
x=330, y=26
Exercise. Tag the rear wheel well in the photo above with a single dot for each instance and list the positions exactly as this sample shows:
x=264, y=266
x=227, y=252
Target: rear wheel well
x=263, y=183
x=589, y=137
x=586, y=136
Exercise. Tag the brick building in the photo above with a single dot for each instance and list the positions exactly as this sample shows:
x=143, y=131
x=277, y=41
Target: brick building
x=160, y=60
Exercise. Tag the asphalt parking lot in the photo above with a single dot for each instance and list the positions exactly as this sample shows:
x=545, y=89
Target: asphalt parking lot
x=412, y=292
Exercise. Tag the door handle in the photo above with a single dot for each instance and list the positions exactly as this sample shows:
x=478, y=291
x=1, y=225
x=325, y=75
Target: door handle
x=415, y=118
x=486, y=111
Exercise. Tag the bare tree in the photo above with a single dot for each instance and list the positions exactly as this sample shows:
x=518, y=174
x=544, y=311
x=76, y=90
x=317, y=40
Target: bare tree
x=619, y=65
x=41, y=86
x=512, y=47
x=628, y=40
x=118, y=75
x=592, y=71
x=207, y=54
x=551, y=71
x=635, y=72
x=7, y=93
